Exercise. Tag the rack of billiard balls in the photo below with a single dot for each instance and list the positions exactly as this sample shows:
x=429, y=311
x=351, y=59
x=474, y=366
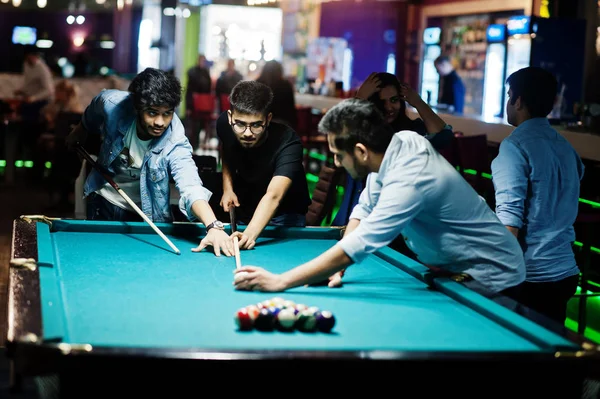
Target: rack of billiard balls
x=284, y=315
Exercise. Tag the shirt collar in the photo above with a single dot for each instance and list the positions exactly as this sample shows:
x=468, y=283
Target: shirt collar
x=534, y=123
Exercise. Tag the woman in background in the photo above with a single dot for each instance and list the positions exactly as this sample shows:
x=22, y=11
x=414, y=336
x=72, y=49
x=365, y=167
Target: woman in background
x=391, y=96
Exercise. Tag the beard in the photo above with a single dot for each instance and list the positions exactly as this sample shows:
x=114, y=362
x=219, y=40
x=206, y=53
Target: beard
x=360, y=171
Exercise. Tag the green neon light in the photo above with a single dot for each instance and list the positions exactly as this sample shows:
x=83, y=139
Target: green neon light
x=29, y=164
x=589, y=333
x=2, y=163
x=592, y=203
x=488, y=176
x=474, y=172
x=594, y=249
x=312, y=178
x=590, y=282
x=19, y=164
x=318, y=156
x=48, y=165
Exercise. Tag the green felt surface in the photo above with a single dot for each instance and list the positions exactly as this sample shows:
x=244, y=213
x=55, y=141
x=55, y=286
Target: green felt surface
x=112, y=286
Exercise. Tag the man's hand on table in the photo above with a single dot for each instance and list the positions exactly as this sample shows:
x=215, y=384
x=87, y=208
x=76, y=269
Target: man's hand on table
x=254, y=278
x=220, y=241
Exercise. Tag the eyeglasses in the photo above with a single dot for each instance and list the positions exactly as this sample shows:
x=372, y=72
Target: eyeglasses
x=240, y=127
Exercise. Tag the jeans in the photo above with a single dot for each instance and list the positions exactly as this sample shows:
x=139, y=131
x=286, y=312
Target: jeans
x=99, y=208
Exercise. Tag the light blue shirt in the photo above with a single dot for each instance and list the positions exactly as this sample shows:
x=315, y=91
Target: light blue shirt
x=110, y=114
x=536, y=177
x=418, y=194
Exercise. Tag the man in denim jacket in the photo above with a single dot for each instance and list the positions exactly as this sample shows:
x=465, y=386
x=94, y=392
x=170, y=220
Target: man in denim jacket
x=143, y=145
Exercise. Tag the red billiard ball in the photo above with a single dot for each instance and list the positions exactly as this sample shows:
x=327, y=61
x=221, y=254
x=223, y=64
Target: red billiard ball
x=325, y=321
x=243, y=319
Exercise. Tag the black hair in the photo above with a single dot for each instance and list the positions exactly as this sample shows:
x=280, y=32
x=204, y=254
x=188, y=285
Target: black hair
x=537, y=89
x=354, y=121
x=250, y=97
x=441, y=59
x=155, y=88
x=402, y=121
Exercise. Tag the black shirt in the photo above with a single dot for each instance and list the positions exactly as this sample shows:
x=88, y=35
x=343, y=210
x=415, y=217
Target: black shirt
x=253, y=168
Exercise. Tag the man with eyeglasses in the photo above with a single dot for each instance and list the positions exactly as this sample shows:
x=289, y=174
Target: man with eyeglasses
x=263, y=173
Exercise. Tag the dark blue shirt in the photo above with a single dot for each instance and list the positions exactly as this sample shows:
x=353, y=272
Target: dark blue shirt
x=453, y=92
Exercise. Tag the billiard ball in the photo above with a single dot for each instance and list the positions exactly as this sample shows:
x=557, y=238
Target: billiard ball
x=274, y=310
x=289, y=304
x=252, y=311
x=325, y=321
x=243, y=319
x=266, y=303
x=286, y=319
x=301, y=307
x=278, y=301
x=313, y=309
x=306, y=321
x=265, y=321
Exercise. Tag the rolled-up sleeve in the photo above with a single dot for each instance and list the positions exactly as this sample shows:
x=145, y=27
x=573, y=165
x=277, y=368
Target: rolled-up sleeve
x=510, y=175
x=185, y=174
x=396, y=205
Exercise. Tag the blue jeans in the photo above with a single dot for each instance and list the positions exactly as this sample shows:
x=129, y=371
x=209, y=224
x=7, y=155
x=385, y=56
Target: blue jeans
x=98, y=208
x=287, y=220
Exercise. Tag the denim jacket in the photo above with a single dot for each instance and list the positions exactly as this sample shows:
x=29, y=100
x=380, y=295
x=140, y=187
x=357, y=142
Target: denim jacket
x=110, y=114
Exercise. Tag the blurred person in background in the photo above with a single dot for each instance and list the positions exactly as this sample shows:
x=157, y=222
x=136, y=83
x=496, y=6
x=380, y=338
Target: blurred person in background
x=226, y=82
x=36, y=91
x=452, y=88
x=284, y=103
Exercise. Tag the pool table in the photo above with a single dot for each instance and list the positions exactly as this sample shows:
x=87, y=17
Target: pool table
x=94, y=304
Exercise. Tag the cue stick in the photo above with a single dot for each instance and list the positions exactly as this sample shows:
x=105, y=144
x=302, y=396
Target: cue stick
x=88, y=158
x=236, y=247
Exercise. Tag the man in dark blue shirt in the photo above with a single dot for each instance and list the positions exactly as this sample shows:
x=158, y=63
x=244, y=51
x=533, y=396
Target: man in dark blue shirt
x=453, y=89
x=537, y=175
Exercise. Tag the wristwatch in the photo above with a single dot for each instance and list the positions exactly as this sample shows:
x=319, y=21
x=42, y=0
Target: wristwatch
x=217, y=224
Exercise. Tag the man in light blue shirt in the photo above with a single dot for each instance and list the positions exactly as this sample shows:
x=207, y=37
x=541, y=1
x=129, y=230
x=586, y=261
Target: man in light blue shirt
x=536, y=177
x=143, y=146
x=411, y=190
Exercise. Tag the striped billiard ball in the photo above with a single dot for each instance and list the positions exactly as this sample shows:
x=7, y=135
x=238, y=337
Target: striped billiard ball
x=306, y=321
x=286, y=319
x=253, y=311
